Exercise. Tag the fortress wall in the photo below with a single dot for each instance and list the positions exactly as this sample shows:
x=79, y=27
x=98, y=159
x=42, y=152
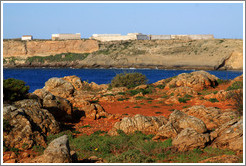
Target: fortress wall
x=160, y=37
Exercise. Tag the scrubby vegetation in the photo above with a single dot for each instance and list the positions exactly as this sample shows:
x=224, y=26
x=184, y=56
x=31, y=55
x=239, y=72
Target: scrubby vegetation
x=128, y=80
x=58, y=57
x=134, y=148
x=235, y=85
x=14, y=89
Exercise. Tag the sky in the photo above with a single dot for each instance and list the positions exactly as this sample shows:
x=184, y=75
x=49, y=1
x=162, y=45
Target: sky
x=41, y=20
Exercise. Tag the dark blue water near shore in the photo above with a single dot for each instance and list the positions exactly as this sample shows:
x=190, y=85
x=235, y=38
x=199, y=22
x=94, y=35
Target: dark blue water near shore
x=36, y=78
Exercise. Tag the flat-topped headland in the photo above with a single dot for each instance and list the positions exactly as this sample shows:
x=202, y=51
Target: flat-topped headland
x=210, y=54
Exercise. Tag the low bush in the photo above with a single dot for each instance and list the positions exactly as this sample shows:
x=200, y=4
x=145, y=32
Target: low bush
x=183, y=100
x=213, y=100
x=14, y=89
x=235, y=85
x=128, y=80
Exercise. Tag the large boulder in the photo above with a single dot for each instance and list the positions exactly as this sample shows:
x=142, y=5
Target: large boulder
x=139, y=122
x=197, y=80
x=58, y=151
x=59, y=87
x=27, y=126
x=61, y=108
x=91, y=110
x=189, y=139
x=177, y=122
x=212, y=117
x=229, y=135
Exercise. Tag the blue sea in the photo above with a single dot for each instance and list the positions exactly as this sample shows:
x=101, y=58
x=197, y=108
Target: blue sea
x=37, y=77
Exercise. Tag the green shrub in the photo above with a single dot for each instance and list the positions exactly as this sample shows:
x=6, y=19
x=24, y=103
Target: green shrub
x=128, y=80
x=213, y=100
x=162, y=86
x=235, y=85
x=58, y=57
x=237, y=97
x=220, y=81
x=14, y=89
x=183, y=100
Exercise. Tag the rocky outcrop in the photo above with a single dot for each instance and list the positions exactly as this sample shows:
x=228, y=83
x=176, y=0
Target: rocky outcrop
x=75, y=91
x=189, y=139
x=177, y=122
x=229, y=135
x=212, y=117
x=182, y=91
x=59, y=87
x=44, y=48
x=61, y=108
x=27, y=125
x=58, y=151
x=197, y=80
x=138, y=123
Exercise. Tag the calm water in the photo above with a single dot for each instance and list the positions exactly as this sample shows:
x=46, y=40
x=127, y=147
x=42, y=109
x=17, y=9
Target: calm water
x=36, y=78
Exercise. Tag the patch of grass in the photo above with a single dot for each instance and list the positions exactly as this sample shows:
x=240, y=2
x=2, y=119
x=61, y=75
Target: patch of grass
x=158, y=112
x=162, y=86
x=172, y=86
x=183, y=100
x=149, y=98
x=136, y=106
x=213, y=100
x=172, y=94
x=160, y=102
x=215, y=92
x=171, y=110
x=187, y=96
x=142, y=104
x=235, y=85
x=139, y=97
x=122, y=93
x=220, y=81
x=122, y=99
x=149, y=102
x=148, y=90
x=155, y=106
x=127, y=107
x=86, y=126
x=165, y=96
x=38, y=148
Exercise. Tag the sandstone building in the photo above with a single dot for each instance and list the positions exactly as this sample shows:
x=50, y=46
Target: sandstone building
x=66, y=36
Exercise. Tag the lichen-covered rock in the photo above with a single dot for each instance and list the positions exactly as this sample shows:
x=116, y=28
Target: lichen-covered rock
x=229, y=135
x=58, y=151
x=139, y=122
x=197, y=80
x=61, y=108
x=27, y=125
x=212, y=117
x=182, y=91
x=177, y=122
x=59, y=87
x=92, y=110
x=189, y=139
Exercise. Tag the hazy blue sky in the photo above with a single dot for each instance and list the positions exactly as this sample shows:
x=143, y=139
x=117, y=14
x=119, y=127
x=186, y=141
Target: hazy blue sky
x=43, y=19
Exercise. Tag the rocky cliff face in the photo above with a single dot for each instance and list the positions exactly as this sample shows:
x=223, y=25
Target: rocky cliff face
x=45, y=48
x=169, y=54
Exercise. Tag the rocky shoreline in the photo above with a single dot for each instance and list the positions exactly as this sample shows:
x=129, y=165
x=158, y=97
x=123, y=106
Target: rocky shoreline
x=190, y=113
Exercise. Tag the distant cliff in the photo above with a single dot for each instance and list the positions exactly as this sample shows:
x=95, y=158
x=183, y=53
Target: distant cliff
x=170, y=54
x=47, y=47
